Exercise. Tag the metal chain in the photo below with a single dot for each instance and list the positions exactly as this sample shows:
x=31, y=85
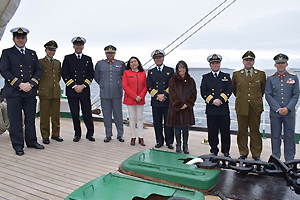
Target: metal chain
x=289, y=171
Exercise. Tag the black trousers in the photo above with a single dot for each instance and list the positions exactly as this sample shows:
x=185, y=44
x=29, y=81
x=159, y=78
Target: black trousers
x=158, y=114
x=85, y=103
x=214, y=124
x=15, y=105
x=185, y=134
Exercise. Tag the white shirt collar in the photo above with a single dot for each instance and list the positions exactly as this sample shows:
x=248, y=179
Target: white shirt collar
x=20, y=48
x=218, y=72
x=161, y=67
x=78, y=54
x=49, y=58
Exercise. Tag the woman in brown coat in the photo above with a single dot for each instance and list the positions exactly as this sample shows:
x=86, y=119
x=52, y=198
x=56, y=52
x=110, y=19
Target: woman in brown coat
x=182, y=94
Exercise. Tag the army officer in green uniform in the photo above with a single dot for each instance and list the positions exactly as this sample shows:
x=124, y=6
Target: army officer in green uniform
x=49, y=94
x=248, y=86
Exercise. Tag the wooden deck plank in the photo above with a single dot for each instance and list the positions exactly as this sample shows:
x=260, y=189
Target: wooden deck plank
x=62, y=167
x=43, y=176
x=25, y=179
x=19, y=190
x=5, y=195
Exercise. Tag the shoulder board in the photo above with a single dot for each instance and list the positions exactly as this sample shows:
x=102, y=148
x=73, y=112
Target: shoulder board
x=271, y=75
x=292, y=74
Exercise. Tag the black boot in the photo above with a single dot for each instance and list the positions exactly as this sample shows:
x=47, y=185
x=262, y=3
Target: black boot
x=178, y=140
x=185, y=133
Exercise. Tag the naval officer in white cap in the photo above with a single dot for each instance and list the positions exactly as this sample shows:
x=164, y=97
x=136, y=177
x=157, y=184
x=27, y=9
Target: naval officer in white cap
x=78, y=74
x=21, y=70
x=158, y=87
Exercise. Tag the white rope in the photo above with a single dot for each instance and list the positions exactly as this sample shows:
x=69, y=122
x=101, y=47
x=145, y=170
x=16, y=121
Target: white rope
x=4, y=122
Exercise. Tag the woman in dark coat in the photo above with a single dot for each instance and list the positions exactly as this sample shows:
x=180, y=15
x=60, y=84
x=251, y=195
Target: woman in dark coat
x=182, y=94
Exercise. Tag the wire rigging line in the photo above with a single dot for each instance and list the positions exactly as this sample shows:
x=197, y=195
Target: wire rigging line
x=191, y=28
x=196, y=30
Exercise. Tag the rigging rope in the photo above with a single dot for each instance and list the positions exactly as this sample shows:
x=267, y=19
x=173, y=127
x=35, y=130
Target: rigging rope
x=194, y=31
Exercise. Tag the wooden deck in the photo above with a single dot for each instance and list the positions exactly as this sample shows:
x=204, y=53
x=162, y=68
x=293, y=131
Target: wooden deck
x=61, y=168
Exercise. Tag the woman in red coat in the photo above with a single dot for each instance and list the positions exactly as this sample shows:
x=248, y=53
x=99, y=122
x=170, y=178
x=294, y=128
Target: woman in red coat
x=135, y=87
x=183, y=94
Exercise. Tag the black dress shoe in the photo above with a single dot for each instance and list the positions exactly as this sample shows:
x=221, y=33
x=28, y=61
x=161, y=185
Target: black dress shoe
x=92, y=139
x=214, y=154
x=76, y=139
x=37, y=146
x=170, y=146
x=121, y=139
x=158, y=145
x=20, y=152
x=256, y=158
x=227, y=155
x=46, y=141
x=58, y=139
x=107, y=139
x=243, y=157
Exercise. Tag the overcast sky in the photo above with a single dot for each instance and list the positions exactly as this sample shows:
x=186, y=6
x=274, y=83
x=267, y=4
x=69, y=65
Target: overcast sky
x=137, y=27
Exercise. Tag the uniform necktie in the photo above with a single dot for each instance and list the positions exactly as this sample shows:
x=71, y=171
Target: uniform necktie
x=159, y=69
x=51, y=60
x=22, y=52
x=78, y=57
x=215, y=75
x=249, y=75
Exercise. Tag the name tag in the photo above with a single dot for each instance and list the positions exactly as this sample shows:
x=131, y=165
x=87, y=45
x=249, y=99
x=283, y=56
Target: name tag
x=131, y=76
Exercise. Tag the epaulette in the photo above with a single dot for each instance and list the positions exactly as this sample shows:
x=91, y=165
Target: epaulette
x=271, y=75
x=292, y=74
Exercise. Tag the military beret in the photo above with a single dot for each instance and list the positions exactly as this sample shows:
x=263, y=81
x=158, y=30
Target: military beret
x=214, y=57
x=110, y=49
x=248, y=54
x=76, y=40
x=158, y=52
x=52, y=45
x=281, y=58
x=19, y=31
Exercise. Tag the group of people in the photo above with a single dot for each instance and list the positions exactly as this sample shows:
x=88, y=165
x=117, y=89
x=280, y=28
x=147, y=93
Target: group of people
x=249, y=85
x=173, y=96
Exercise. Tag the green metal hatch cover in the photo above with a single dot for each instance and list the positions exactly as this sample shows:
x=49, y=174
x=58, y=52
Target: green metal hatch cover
x=169, y=167
x=115, y=187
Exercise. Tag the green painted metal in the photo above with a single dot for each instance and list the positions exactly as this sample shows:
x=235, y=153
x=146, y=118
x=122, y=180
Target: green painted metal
x=114, y=186
x=169, y=166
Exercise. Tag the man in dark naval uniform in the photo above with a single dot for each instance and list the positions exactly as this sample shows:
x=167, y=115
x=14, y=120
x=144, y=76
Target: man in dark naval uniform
x=282, y=94
x=22, y=71
x=108, y=74
x=216, y=88
x=158, y=87
x=78, y=74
